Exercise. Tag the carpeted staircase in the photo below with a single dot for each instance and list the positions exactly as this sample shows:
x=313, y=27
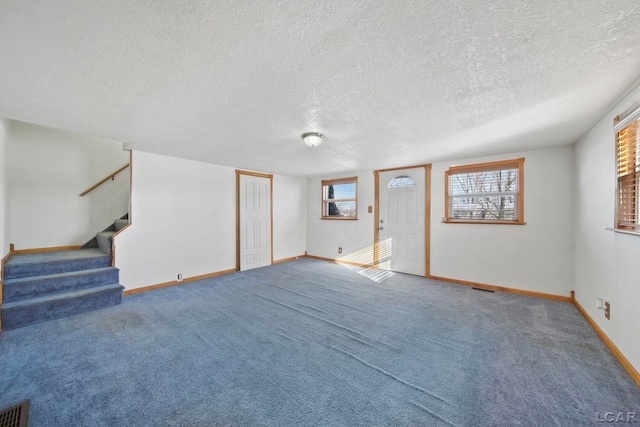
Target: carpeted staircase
x=49, y=285
x=104, y=239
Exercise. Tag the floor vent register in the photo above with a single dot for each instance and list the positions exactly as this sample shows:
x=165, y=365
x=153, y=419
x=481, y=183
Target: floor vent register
x=15, y=416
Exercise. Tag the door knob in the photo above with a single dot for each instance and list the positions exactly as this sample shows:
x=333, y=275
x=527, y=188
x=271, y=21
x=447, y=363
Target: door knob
x=380, y=228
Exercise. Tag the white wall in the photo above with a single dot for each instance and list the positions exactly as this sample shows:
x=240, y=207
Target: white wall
x=607, y=264
x=183, y=220
x=4, y=242
x=536, y=256
x=324, y=237
x=47, y=169
x=289, y=217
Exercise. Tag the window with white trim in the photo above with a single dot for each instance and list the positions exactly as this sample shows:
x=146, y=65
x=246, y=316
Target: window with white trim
x=485, y=193
x=340, y=198
x=628, y=172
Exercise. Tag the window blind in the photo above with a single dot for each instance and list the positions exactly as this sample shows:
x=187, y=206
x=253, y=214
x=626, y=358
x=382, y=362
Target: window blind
x=340, y=199
x=485, y=193
x=628, y=171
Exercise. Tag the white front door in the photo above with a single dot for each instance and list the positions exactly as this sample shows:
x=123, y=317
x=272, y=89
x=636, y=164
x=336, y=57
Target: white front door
x=402, y=221
x=255, y=221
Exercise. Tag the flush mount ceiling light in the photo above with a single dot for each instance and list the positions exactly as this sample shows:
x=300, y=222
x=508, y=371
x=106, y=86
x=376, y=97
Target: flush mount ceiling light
x=312, y=139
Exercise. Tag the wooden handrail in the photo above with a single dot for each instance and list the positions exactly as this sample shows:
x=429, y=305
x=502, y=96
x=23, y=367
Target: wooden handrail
x=111, y=176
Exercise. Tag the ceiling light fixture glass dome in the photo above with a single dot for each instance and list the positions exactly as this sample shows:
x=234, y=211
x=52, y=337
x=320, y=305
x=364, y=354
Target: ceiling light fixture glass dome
x=312, y=139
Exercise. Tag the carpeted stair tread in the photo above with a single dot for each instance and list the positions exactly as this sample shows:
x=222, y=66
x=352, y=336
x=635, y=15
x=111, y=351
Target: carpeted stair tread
x=30, y=287
x=54, y=256
x=35, y=310
x=46, y=263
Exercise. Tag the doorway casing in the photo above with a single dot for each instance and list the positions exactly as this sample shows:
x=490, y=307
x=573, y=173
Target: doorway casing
x=238, y=218
x=427, y=225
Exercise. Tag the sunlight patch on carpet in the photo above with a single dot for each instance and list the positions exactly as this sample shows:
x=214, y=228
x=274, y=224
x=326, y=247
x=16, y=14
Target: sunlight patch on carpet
x=376, y=275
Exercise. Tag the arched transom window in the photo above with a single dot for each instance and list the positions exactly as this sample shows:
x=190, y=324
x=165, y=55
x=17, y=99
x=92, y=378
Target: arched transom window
x=401, y=181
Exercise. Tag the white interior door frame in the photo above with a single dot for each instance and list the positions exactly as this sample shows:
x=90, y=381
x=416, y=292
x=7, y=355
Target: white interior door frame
x=427, y=216
x=241, y=222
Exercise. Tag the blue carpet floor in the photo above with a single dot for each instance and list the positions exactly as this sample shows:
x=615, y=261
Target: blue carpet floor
x=310, y=343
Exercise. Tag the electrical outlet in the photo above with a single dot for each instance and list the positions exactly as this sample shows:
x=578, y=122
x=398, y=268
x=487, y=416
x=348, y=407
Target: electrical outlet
x=339, y=250
x=607, y=310
x=179, y=277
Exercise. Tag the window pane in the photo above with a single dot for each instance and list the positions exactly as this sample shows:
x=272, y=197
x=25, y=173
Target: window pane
x=482, y=193
x=500, y=181
x=402, y=181
x=628, y=201
x=342, y=191
x=340, y=209
x=628, y=149
x=495, y=208
x=628, y=165
x=339, y=198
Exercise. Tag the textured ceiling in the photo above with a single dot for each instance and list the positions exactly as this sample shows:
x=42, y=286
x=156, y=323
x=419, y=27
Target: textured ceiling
x=389, y=83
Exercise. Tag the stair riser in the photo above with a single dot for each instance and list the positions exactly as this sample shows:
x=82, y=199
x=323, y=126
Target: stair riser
x=93, y=243
x=105, y=242
x=17, y=317
x=50, y=285
x=56, y=267
x=121, y=223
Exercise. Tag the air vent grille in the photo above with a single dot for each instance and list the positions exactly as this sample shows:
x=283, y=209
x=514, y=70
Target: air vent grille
x=15, y=416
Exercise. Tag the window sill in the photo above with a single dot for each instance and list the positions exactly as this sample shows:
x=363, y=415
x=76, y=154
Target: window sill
x=618, y=230
x=483, y=222
x=344, y=218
